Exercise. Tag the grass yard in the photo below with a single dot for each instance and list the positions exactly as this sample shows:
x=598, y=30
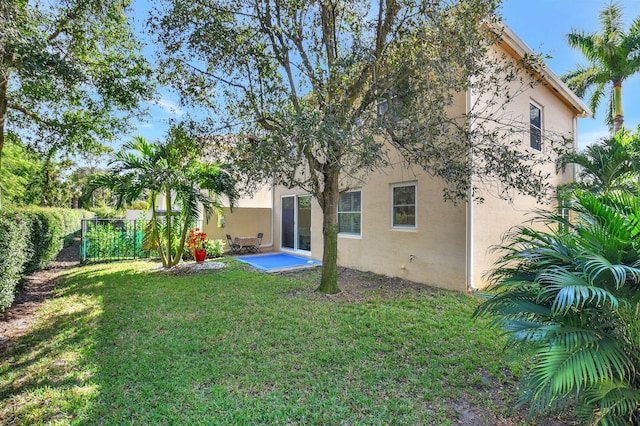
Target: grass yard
x=125, y=343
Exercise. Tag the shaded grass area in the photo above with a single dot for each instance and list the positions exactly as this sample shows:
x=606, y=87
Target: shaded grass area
x=124, y=343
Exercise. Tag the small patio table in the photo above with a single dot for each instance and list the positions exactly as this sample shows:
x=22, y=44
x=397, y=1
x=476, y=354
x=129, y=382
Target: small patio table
x=247, y=243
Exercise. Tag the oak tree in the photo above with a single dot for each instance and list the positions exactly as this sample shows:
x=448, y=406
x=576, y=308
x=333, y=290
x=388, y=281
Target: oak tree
x=318, y=93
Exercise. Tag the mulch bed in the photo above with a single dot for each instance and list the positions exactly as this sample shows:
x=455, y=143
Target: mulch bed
x=16, y=320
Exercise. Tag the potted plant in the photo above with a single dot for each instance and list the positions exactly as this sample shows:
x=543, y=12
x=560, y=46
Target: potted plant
x=197, y=244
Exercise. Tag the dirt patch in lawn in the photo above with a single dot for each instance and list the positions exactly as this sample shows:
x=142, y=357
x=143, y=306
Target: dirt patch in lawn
x=358, y=287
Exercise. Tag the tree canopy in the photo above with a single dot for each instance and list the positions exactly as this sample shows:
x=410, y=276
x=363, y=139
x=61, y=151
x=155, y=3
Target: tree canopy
x=71, y=73
x=318, y=93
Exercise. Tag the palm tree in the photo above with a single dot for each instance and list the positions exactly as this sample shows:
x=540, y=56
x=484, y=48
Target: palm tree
x=572, y=295
x=610, y=165
x=613, y=58
x=174, y=171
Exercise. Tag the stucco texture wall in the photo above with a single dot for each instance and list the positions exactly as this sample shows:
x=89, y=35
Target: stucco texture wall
x=243, y=221
x=496, y=216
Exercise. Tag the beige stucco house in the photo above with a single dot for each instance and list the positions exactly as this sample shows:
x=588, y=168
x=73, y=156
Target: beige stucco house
x=397, y=223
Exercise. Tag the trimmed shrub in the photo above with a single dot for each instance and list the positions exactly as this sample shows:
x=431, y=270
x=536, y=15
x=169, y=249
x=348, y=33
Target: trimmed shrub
x=14, y=235
x=30, y=238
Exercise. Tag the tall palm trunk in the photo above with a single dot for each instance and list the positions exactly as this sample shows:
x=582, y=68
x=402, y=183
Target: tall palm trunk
x=169, y=234
x=618, y=116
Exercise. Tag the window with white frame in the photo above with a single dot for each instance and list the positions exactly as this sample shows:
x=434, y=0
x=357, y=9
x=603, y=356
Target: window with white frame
x=535, y=127
x=350, y=213
x=403, y=205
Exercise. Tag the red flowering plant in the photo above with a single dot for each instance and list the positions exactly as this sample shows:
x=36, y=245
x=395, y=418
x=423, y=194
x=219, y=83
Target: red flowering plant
x=196, y=240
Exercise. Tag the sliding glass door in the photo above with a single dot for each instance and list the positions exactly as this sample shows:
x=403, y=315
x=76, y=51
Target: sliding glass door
x=296, y=222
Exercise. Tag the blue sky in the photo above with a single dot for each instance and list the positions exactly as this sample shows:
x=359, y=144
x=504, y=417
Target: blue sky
x=544, y=24
x=541, y=24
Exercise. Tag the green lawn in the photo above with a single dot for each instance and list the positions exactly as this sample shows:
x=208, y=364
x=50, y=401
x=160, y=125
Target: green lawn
x=124, y=343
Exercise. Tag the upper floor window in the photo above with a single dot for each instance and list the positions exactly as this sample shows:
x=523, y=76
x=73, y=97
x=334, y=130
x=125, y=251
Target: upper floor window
x=350, y=213
x=535, y=127
x=403, y=201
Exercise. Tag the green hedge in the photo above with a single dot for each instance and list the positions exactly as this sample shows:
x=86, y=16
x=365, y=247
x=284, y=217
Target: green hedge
x=14, y=232
x=30, y=238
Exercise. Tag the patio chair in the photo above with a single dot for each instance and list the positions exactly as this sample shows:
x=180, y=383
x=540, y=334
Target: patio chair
x=235, y=248
x=256, y=248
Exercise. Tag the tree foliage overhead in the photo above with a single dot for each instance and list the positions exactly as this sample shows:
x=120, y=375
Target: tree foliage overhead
x=613, y=57
x=19, y=175
x=70, y=72
x=320, y=92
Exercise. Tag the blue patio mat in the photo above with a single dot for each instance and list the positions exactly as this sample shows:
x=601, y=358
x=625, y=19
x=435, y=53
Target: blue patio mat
x=278, y=261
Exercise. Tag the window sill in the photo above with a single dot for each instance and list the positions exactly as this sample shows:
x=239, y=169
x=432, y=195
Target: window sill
x=351, y=236
x=403, y=229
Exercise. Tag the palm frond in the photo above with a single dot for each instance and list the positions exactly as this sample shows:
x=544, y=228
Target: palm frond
x=568, y=290
x=613, y=402
x=573, y=297
x=563, y=370
x=600, y=270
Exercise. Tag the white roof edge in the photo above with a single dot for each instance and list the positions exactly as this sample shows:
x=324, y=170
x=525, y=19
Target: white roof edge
x=521, y=48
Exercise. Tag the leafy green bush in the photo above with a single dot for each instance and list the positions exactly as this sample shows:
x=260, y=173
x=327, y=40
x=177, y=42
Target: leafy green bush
x=29, y=239
x=215, y=248
x=572, y=296
x=14, y=234
x=50, y=229
x=108, y=213
x=139, y=205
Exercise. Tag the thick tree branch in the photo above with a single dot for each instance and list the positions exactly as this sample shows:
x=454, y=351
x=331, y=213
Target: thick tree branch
x=30, y=114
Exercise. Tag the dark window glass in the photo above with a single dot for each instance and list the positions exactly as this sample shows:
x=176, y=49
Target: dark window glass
x=404, y=206
x=535, y=127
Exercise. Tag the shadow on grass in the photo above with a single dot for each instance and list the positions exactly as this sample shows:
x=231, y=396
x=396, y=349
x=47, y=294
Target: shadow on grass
x=128, y=343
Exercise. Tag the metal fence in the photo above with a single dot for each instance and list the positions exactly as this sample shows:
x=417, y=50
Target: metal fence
x=112, y=239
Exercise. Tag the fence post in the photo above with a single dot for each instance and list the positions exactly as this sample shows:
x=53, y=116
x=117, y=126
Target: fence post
x=135, y=240
x=83, y=231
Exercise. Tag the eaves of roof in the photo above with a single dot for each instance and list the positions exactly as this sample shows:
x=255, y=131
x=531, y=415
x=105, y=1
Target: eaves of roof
x=520, y=49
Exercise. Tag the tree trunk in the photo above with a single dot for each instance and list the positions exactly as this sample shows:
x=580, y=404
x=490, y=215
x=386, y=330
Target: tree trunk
x=4, y=84
x=618, y=116
x=331, y=197
x=46, y=185
x=169, y=230
x=156, y=231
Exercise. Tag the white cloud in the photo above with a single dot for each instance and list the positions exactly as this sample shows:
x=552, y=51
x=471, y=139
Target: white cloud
x=168, y=106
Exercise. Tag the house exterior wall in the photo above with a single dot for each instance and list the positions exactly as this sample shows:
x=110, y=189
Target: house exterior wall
x=442, y=249
x=493, y=218
x=432, y=253
x=242, y=222
x=437, y=243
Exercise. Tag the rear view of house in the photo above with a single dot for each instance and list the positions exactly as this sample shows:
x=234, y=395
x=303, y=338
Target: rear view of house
x=397, y=222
